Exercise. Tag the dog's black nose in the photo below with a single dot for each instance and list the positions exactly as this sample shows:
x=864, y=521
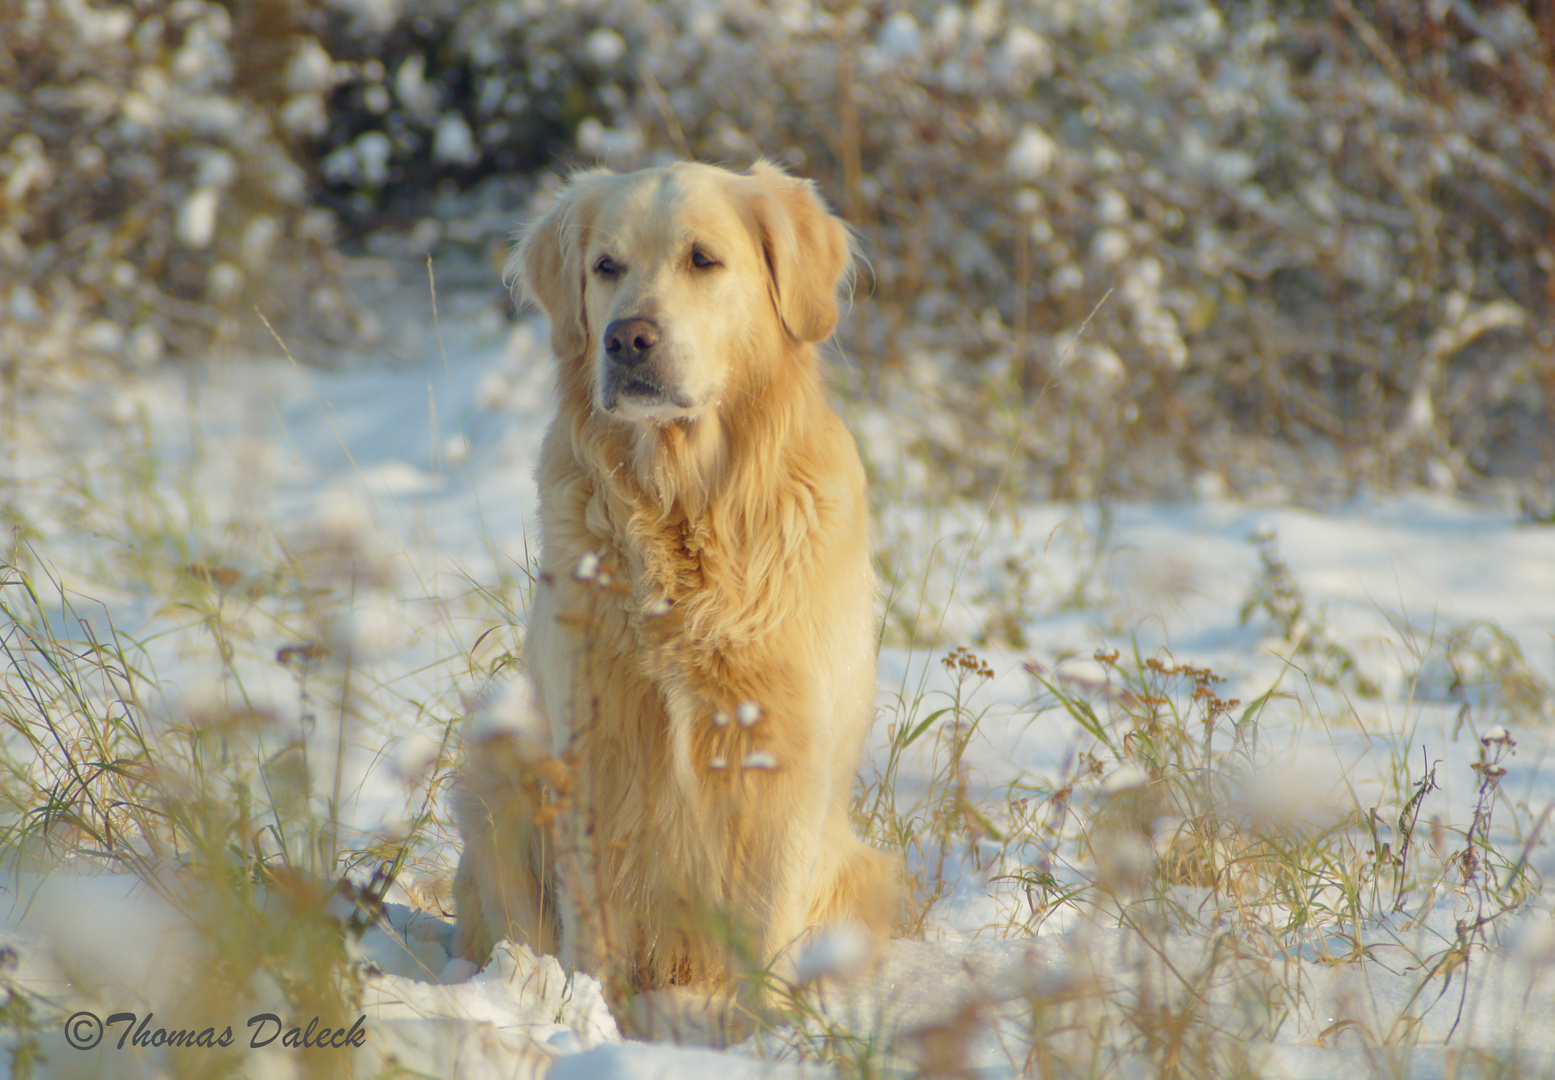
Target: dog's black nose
x=629, y=341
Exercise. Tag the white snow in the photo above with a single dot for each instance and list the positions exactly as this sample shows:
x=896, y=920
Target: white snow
x=838, y=951
x=605, y=47
x=453, y=143
x=197, y=217
x=900, y=37
x=1032, y=155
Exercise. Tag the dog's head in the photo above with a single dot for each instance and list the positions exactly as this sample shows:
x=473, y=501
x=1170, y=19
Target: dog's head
x=672, y=288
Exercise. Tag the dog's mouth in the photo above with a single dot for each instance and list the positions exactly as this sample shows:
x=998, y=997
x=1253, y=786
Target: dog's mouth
x=633, y=390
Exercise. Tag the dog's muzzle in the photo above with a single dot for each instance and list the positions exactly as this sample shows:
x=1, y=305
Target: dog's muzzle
x=631, y=371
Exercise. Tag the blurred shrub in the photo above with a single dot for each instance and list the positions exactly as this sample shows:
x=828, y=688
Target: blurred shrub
x=170, y=166
x=440, y=95
x=1304, y=242
x=150, y=194
x=1150, y=245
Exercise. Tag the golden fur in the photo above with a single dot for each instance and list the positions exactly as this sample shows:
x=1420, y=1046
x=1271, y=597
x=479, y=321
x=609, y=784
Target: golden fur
x=702, y=639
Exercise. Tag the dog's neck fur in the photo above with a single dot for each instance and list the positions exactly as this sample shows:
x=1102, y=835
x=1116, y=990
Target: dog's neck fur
x=681, y=463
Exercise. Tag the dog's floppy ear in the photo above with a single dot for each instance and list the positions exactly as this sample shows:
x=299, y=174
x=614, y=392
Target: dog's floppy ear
x=546, y=265
x=806, y=248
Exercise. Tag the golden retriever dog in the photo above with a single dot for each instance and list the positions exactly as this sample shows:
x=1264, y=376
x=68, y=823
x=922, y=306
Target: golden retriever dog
x=702, y=638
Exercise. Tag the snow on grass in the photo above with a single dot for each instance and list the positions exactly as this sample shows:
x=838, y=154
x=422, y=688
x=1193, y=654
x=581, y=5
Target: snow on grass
x=1183, y=788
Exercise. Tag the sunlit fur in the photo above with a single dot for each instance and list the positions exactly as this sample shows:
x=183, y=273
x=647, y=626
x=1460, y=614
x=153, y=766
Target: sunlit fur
x=732, y=534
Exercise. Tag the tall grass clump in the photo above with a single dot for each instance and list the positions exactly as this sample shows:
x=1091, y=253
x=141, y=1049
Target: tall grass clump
x=231, y=812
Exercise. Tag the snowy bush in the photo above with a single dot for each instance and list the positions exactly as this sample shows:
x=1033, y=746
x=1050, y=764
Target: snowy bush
x=153, y=191
x=1250, y=241
x=1256, y=242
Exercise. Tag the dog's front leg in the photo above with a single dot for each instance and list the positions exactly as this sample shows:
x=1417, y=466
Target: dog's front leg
x=780, y=887
x=761, y=783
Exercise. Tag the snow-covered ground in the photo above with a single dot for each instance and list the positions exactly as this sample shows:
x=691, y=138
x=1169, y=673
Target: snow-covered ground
x=420, y=464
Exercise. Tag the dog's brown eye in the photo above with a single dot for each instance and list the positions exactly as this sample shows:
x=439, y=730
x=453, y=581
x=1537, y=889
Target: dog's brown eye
x=701, y=260
x=606, y=267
